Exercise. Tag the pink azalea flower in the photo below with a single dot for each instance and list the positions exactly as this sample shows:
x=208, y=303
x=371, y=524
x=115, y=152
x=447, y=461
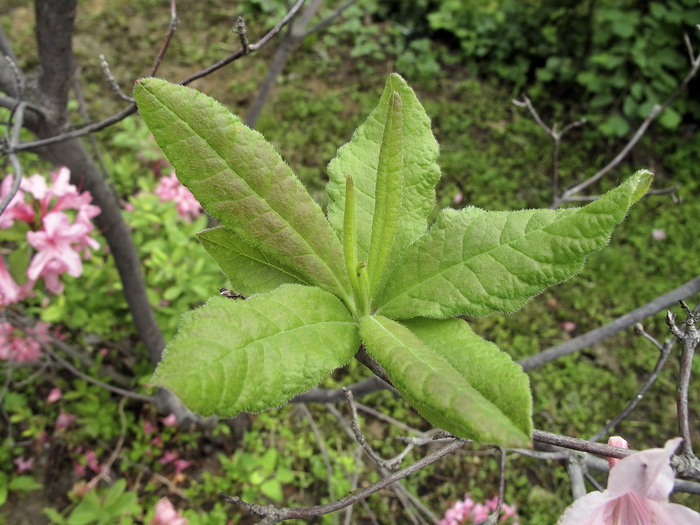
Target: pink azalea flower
x=167, y=515
x=170, y=420
x=169, y=457
x=54, y=395
x=658, y=234
x=17, y=209
x=568, y=326
x=10, y=291
x=181, y=464
x=55, y=251
x=64, y=420
x=91, y=460
x=22, y=346
x=23, y=465
x=148, y=427
x=170, y=189
x=637, y=494
x=470, y=512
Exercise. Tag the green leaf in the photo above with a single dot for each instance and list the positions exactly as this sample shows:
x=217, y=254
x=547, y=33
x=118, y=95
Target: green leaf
x=24, y=483
x=248, y=268
x=241, y=180
x=233, y=356
x=436, y=380
x=477, y=262
x=360, y=158
x=387, y=194
x=482, y=364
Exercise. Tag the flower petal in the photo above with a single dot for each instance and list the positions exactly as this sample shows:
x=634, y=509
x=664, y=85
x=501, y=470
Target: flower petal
x=588, y=510
x=647, y=473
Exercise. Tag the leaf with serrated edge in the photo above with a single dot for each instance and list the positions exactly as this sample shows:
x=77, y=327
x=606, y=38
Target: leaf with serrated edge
x=249, y=269
x=477, y=262
x=241, y=180
x=434, y=387
x=360, y=158
x=233, y=356
x=491, y=372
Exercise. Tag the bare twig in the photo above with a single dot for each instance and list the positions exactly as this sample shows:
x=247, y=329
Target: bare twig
x=583, y=341
x=392, y=421
x=689, y=339
x=501, y=483
x=105, y=123
x=359, y=437
x=113, y=84
x=241, y=32
x=579, y=444
x=556, y=137
x=359, y=389
x=664, y=353
x=328, y=19
x=251, y=48
x=116, y=390
x=172, y=27
x=322, y=449
x=104, y=471
x=653, y=114
x=11, y=138
x=274, y=515
x=576, y=469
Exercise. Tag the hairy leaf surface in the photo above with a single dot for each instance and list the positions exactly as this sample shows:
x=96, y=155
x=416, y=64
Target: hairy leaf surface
x=434, y=382
x=241, y=180
x=491, y=372
x=360, y=158
x=232, y=356
x=478, y=262
x=248, y=268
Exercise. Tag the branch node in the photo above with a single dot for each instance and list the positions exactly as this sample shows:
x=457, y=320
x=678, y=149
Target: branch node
x=240, y=30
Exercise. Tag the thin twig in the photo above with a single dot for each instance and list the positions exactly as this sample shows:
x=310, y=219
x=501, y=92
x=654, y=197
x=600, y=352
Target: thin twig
x=275, y=515
x=12, y=138
x=689, y=340
x=583, y=341
x=575, y=468
x=392, y=421
x=105, y=123
x=653, y=114
x=501, y=483
x=172, y=27
x=116, y=390
x=104, y=471
x=327, y=20
x=251, y=48
x=359, y=437
x=556, y=137
x=664, y=353
x=322, y=449
x=113, y=84
x=241, y=32
x=359, y=389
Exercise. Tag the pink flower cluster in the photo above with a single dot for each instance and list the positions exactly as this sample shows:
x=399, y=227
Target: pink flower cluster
x=468, y=511
x=170, y=189
x=56, y=237
x=22, y=346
